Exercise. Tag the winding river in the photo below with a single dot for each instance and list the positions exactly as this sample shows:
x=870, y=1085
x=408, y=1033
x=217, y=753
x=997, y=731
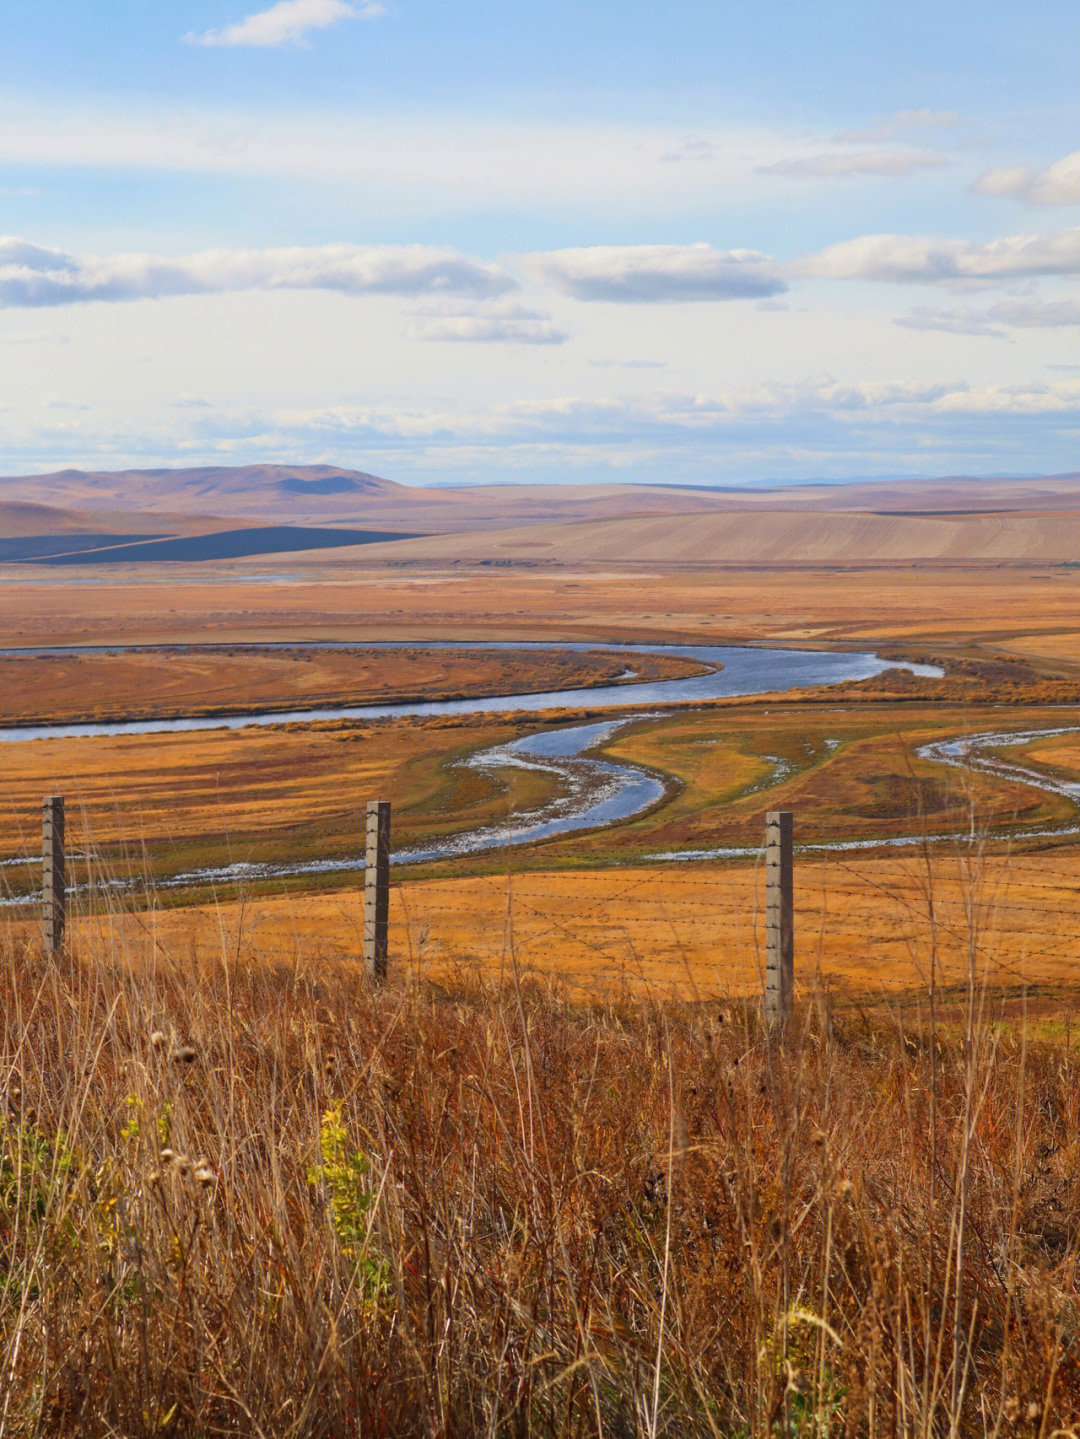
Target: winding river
x=731, y=670
x=590, y=792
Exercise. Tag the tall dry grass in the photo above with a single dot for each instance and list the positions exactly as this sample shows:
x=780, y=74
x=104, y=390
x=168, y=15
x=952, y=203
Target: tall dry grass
x=273, y=1202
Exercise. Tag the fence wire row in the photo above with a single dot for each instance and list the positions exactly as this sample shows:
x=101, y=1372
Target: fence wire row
x=886, y=923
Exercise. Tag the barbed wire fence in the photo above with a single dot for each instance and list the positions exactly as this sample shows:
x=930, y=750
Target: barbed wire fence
x=775, y=927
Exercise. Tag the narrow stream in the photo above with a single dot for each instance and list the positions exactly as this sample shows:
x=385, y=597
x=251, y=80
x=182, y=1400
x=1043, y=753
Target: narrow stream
x=967, y=752
x=592, y=793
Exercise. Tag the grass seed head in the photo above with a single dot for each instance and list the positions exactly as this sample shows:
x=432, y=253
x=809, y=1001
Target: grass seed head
x=157, y=1039
x=186, y=1054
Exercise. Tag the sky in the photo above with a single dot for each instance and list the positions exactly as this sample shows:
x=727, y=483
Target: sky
x=697, y=243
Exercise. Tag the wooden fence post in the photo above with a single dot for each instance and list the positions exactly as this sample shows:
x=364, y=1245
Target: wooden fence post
x=53, y=879
x=376, y=888
x=779, y=927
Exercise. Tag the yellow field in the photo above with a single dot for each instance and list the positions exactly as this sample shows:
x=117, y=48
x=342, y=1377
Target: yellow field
x=863, y=927
x=849, y=770
x=169, y=803
x=1028, y=610
x=137, y=684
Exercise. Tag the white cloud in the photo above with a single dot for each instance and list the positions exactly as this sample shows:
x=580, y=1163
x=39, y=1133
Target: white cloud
x=1056, y=399
x=695, y=150
x=648, y=273
x=921, y=259
x=845, y=163
x=285, y=23
x=506, y=324
x=659, y=432
x=951, y=322
x=1058, y=184
x=42, y=338
x=32, y=276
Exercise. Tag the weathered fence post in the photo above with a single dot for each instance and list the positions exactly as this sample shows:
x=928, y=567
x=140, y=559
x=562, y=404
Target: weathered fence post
x=779, y=927
x=53, y=880
x=376, y=888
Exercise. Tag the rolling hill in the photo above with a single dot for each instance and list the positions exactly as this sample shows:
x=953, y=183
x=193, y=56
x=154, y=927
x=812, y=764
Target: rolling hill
x=233, y=512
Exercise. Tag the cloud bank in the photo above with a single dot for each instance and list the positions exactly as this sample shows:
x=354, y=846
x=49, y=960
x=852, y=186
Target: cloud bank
x=808, y=430
x=657, y=273
x=286, y=23
x=32, y=276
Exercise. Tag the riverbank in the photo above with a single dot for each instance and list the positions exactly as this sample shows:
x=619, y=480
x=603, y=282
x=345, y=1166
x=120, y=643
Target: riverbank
x=717, y=671
x=126, y=685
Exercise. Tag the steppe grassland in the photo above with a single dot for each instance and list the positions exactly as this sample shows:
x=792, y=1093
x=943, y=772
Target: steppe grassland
x=168, y=803
x=268, y=1199
x=875, y=926
x=175, y=801
x=870, y=930
x=1032, y=610
x=848, y=769
x=248, y=1194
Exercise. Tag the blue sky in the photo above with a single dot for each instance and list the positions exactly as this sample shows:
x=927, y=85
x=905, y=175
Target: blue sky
x=702, y=243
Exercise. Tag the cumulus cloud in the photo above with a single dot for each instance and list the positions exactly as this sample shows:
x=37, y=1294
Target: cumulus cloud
x=33, y=276
x=844, y=163
x=1058, y=184
x=505, y=324
x=1014, y=400
x=921, y=259
x=1026, y=313
x=21, y=253
x=651, y=273
x=288, y=22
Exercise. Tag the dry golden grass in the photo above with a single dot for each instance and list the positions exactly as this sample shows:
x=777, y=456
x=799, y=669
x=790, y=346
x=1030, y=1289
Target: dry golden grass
x=171, y=803
x=139, y=684
x=1025, y=609
x=686, y=932
x=261, y=1199
x=176, y=800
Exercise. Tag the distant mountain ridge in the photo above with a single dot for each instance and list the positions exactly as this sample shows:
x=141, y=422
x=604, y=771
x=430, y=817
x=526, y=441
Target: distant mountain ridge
x=328, y=494
x=948, y=520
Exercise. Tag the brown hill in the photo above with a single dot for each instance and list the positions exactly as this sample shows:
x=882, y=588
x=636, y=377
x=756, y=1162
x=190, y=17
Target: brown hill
x=769, y=536
x=952, y=519
x=325, y=494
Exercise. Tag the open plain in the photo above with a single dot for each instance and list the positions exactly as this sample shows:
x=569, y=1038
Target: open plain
x=981, y=580
x=565, y=1077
